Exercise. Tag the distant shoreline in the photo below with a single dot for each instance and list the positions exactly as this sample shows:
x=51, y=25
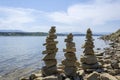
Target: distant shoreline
x=39, y=34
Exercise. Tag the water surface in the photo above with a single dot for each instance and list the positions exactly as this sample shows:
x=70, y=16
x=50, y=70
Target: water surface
x=22, y=52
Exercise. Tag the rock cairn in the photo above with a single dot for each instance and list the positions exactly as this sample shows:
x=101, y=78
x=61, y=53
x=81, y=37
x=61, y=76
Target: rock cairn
x=89, y=60
x=70, y=61
x=51, y=49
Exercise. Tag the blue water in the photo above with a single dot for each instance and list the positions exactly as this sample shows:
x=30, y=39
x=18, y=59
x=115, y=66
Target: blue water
x=21, y=52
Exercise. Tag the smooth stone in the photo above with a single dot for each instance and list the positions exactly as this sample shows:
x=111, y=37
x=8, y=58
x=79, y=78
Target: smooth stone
x=50, y=51
x=69, y=50
x=50, y=62
x=68, y=63
x=51, y=47
x=70, y=71
x=49, y=56
x=68, y=40
x=49, y=70
x=70, y=45
x=89, y=59
x=70, y=56
x=94, y=66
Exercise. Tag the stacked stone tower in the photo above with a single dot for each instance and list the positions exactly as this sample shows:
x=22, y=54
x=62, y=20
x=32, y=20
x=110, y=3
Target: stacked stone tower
x=70, y=61
x=89, y=44
x=51, y=49
x=89, y=60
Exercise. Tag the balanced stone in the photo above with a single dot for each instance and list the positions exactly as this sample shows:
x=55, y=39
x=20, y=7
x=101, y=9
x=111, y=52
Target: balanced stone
x=49, y=71
x=72, y=44
x=49, y=56
x=51, y=47
x=50, y=51
x=69, y=62
x=89, y=59
x=70, y=56
x=70, y=71
x=69, y=50
x=68, y=40
x=50, y=62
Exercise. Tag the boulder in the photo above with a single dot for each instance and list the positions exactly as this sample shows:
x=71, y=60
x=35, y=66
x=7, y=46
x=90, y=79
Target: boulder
x=93, y=76
x=106, y=76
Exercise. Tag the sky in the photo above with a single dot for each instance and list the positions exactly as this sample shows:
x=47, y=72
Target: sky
x=66, y=15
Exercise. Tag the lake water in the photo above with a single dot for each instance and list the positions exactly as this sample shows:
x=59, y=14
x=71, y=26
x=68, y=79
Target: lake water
x=21, y=52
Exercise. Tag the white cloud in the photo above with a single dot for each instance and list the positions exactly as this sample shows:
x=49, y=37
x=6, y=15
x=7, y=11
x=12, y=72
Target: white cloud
x=78, y=17
x=96, y=13
x=15, y=17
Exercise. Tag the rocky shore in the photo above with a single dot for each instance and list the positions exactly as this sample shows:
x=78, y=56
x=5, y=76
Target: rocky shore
x=92, y=66
x=103, y=65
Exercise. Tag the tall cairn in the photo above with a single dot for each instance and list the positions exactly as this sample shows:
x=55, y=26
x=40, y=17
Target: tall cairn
x=50, y=53
x=89, y=60
x=70, y=61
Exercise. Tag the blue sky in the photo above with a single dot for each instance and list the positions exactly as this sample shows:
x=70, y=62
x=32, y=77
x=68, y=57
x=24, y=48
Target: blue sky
x=66, y=15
